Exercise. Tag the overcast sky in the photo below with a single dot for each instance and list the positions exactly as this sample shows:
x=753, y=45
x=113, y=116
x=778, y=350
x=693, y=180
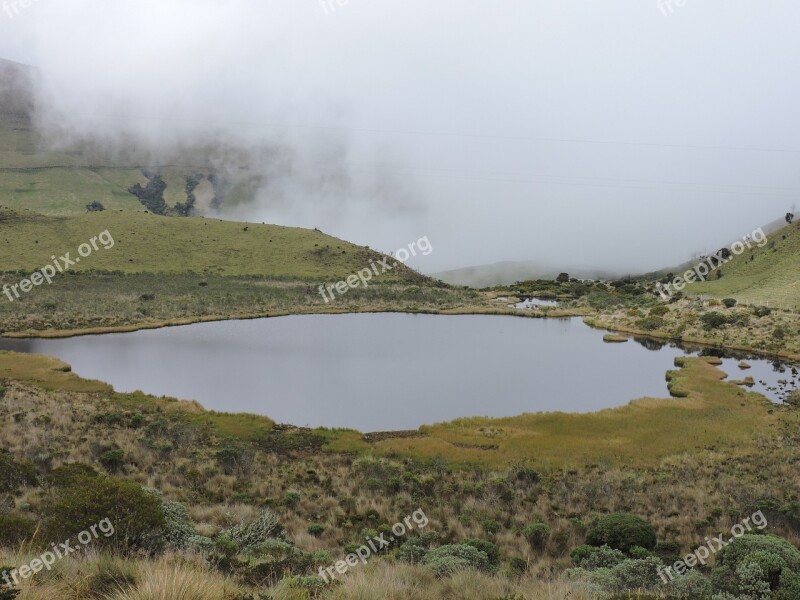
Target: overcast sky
x=616, y=133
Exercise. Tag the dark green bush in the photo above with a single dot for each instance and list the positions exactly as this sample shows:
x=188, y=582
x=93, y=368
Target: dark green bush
x=316, y=529
x=537, y=535
x=713, y=320
x=5, y=593
x=492, y=526
x=518, y=565
x=14, y=475
x=492, y=551
x=729, y=302
x=762, y=311
x=581, y=553
x=14, y=529
x=290, y=499
x=622, y=532
x=135, y=514
x=67, y=474
x=650, y=323
x=113, y=460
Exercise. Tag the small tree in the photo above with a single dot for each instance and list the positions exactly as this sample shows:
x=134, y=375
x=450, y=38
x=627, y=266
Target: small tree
x=563, y=278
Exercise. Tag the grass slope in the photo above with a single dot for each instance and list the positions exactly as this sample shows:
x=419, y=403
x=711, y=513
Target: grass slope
x=768, y=276
x=63, y=182
x=146, y=243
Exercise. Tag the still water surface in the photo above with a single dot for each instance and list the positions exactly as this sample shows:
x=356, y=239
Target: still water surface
x=380, y=372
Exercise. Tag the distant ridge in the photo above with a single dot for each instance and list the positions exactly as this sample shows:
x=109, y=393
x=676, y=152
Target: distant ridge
x=508, y=272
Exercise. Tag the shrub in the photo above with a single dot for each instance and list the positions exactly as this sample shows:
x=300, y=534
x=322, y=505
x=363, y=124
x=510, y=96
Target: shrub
x=266, y=562
x=636, y=575
x=537, y=535
x=5, y=593
x=264, y=528
x=313, y=586
x=579, y=554
x=416, y=549
x=492, y=551
x=67, y=474
x=650, y=323
x=235, y=458
x=591, y=558
x=729, y=302
x=14, y=529
x=713, y=320
x=622, y=532
x=135, y=514
x=692, y=585
x=762, y=311
x=518, y=565
x=640, y=553
x=753, y=561
x=290, y=499
x=492, y=526
x=14, y=475
x=179, y=529
x=316, y=529
x=659, y=311
x=446, y=560
x=112, y=460
x=669, y=552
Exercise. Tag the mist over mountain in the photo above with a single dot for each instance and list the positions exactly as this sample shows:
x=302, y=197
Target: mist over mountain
x=508, y=272
x=494, y=156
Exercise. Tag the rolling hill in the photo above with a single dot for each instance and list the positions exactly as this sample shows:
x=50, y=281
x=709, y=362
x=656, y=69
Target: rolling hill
x=508, y=272
x=768, y=276
x=147, y=243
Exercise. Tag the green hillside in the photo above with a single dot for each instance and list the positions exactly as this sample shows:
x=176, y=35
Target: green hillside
x=768, y=276
x=62, y=180
x=63, y=183
x=147, y=243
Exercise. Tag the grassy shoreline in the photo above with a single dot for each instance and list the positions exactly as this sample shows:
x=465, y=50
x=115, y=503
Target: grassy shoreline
x=478, y=311
x=704, y=342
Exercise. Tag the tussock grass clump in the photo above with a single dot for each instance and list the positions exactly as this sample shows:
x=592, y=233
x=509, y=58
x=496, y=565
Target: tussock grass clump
x=167, y=580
